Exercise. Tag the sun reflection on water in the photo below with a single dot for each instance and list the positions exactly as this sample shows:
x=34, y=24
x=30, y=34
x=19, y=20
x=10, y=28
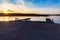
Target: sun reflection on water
x=6, y=19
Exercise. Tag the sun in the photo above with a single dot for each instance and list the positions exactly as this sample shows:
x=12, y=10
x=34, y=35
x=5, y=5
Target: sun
x=5, y=11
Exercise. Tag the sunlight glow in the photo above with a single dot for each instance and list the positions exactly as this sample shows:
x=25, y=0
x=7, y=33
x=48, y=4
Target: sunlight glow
x=5, y=12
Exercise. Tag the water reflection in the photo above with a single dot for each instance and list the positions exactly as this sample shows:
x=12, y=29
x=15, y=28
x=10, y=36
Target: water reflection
x=56, y=19
x=12, y=18
x=6, y=19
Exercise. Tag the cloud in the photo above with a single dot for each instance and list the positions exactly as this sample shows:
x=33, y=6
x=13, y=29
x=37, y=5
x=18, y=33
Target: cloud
x=21, y=7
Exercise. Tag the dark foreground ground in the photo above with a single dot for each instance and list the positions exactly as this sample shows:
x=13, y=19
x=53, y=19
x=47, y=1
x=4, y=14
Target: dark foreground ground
x=28, y=30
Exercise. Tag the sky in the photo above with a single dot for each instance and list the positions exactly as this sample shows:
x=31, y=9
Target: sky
x=31, y=6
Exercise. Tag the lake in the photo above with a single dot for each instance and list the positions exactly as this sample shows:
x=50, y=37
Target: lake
x=56, y=19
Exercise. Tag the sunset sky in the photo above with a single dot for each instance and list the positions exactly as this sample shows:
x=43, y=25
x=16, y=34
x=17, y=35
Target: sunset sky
x=30, y=6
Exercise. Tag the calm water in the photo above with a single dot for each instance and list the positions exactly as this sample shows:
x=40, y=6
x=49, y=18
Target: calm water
x=56, y=19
